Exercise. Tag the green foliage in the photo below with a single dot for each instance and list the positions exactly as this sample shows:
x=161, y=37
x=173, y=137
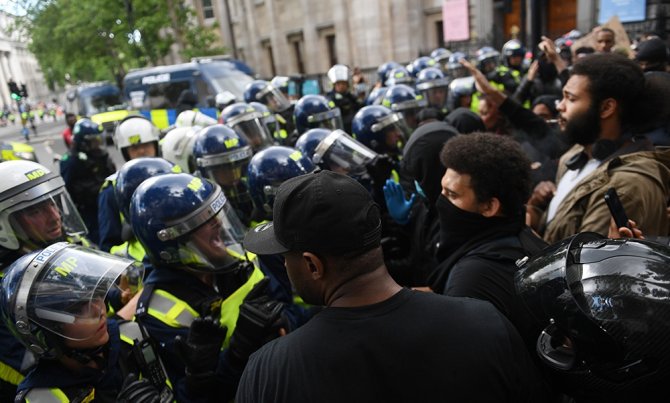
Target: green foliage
x=93, y=40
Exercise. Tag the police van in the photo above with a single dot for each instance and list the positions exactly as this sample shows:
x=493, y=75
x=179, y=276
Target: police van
x=156, y=91
x=102, y=102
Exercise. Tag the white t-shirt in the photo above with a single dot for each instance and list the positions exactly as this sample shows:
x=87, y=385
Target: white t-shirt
x=568, y=182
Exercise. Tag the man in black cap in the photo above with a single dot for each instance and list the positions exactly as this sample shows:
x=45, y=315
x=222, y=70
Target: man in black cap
x=374, y=341
x=653, y=55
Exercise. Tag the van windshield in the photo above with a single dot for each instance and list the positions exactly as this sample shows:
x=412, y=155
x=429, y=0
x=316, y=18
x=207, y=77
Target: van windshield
x=93, y=102
x=230, y=80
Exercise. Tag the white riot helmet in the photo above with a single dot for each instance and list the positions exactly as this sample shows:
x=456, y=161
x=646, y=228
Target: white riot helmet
x=194, y=118
x=177, y=147
x=35, y=207
x=134, y=130
x=339, y=72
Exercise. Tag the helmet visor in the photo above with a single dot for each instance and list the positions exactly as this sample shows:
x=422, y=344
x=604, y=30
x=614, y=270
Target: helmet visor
x=275, y=100
x=331, y=119
x=255, y=131
x=205, y=249
x=43, y=216
x=67, y=295
x=343, y=154
x=395, y=129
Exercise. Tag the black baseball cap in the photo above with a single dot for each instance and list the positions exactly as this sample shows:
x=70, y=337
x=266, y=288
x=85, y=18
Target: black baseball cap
x=319, y=212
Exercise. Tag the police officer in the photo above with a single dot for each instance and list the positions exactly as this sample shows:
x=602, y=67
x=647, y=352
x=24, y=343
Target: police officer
x=53, y=301
x=222, y=156
x=248, y=123
x=340, y=76
x=403, y=99
x=434, y=87
x=313, y=111
x=84, y=169
x=135, y=137
x=265, y=93
x=199, y=270
x=35, y=210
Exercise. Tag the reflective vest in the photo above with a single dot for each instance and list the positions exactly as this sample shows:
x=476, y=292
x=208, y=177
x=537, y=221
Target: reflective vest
x=130, y=249
x=53, y=395
x=177, y=313
x=9, y=374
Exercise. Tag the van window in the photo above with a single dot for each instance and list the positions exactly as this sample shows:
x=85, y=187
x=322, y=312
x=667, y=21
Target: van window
x=165, y=95
x=204, y=92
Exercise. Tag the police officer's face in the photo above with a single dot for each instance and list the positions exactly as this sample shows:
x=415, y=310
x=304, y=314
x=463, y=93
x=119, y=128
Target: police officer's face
x=41, y=222
x=341, y=87
x=437, y=97
x=227, y=176
x=207, y=239
x=141, y=150
x=89, y=328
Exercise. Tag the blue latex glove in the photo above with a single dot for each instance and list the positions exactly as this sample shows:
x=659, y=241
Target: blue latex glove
x=399, y=208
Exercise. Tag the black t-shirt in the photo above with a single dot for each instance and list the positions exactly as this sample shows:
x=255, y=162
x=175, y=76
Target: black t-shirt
x=413, y=347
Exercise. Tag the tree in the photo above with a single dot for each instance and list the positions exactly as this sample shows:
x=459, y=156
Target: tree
x=102, y=39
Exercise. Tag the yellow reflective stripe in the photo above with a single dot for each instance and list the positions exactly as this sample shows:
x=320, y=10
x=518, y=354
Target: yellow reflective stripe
x=230, y=307
x=395, y=176
x=171, y=310
x=160, y=118
x=44, y=395
x=130, y=331
x=119, y=250
x=232, y=251
x=9, y=374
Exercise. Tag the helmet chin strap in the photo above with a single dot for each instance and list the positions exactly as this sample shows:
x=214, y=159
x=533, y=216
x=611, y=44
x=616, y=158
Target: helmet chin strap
x=98, y=355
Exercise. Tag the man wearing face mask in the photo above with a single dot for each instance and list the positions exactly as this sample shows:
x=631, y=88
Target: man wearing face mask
x=482, y=231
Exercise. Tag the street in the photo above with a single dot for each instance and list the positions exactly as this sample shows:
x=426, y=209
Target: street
x=48, y=143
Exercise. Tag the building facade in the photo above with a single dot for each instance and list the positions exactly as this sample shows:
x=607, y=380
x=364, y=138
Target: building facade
x=17, y=63
x=284, y=37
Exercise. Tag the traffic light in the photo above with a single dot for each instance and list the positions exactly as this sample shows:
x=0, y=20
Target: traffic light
x=14, y=90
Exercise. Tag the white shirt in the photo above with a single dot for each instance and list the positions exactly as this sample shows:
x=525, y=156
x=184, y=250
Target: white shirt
x=568, y=182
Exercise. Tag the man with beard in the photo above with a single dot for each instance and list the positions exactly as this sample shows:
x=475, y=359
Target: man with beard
x=605, y=102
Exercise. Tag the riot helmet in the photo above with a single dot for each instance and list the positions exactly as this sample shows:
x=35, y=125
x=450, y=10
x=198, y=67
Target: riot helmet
x=434, y=86
x=380, y=129
x=270, y=168
x=222, y=156
x=133, y=173
x=487, y=59
x=192, y=118
x=87, y=137
x=421, y=63
x=603, y=307
x=281, y=83
x=375, y=96
x=177, y=147
x=402, y=99
x=313, y=111
x=224, y=99
x=35, y=207
x=384, y=70
x=454, y=66
x=53, y=299
x=248, y=123
x=513, y=49
x=339, y=73
x=336, y=151
x=265, y=93
x=440, y=55
x=185, y=222
x=134, y=137
x=460, y=93
x=399, y=75
x=270, y=121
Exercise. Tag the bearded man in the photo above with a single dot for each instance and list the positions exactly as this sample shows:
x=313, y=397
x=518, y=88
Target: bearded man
x=605, y=102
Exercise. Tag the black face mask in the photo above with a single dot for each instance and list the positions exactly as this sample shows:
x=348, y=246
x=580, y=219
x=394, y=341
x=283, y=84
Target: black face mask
x=458, y=226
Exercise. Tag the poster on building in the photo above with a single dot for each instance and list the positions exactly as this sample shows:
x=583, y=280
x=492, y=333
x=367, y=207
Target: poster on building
x=626, y=10
x=456, y=20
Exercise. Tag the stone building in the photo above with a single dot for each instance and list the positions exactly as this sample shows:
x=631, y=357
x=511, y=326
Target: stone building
x=308, y=36
x=18, y=63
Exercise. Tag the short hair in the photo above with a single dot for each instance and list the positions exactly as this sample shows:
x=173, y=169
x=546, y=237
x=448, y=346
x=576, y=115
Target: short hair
x=356, y=263
x=497, y=166
x=605, y=29
x=613, y=76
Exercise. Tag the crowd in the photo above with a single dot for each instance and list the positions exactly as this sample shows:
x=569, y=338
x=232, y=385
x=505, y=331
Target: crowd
x=443, y=237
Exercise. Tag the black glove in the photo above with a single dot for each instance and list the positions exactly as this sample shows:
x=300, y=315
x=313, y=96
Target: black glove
x=136, y=390
x=259, y=322
x=200, y=351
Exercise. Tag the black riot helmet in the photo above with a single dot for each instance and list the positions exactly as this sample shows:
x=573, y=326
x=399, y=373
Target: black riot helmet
x=604, y=309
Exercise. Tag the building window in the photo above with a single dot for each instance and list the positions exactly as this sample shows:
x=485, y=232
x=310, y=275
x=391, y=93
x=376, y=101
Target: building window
x=297, y=52
x=271, y=60
x=332, y=49
x=207, y=9
x=439, y=30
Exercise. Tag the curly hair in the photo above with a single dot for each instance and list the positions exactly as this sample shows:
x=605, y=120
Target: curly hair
x=497, y=166
x=614, y=76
